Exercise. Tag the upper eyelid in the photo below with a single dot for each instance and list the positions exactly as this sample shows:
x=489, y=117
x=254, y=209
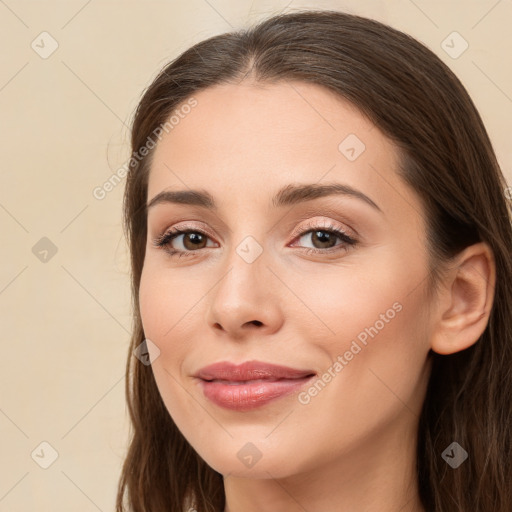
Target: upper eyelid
x=324, y=224
x=311, y=222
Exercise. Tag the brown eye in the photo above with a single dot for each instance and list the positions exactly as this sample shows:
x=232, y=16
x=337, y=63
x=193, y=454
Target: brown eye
x=190, y=239
x=194, y=240
x=322, y=239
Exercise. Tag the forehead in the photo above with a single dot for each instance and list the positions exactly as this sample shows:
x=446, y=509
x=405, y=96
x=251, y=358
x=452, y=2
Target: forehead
x=252, y=139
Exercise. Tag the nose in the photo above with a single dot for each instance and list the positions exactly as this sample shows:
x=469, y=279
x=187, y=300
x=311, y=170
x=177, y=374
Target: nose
x=246, y=299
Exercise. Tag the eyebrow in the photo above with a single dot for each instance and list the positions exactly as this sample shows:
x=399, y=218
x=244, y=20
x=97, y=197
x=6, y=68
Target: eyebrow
x=289, y=195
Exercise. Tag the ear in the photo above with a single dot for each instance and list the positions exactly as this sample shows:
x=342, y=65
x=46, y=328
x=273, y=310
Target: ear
x=465, y=300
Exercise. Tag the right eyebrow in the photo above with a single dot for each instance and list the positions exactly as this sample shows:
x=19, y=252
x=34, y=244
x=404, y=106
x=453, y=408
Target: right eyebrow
x=192, y=197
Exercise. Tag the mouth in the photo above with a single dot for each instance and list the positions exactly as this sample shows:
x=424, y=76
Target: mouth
x=250, y=371
x=250, y=385
x=252, y=381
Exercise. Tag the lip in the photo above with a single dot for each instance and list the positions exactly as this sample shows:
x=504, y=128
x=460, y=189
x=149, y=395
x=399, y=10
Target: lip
x=251, y=384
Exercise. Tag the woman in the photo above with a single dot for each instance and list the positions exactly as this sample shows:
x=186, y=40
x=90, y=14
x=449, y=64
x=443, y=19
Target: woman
x=320, y=245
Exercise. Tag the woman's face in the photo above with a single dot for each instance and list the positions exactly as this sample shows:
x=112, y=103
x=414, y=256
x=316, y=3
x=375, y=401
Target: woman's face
x=265, y=277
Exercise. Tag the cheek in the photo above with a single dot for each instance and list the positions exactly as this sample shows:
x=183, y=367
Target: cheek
x=371, y=322
x=166, y=299
x=378, y=371
x=341, y=302
x=167, y=306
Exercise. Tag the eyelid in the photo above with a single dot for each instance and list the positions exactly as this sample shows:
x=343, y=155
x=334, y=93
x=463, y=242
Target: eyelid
x=300, y=230
x=323, y=223
x=195, y=225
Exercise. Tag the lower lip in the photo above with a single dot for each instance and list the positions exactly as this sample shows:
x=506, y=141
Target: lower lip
x=248, y=396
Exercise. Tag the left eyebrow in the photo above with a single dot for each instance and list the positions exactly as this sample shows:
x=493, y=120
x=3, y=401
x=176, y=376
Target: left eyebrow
x=289, y=195
x=293, y=194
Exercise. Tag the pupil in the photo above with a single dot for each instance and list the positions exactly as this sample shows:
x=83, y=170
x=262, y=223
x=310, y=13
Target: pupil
x=193, y=238
x=324, y=237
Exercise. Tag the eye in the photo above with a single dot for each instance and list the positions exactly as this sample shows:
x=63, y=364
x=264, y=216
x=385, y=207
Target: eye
x=193, y=240
x=324, y=237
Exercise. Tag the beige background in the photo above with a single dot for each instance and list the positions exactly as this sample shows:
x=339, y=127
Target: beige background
x=65, y=125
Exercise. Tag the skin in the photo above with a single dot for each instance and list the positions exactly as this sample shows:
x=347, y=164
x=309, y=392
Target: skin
x=352, y=447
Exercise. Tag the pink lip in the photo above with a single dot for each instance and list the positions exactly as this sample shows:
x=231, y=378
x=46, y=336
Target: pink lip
x=249, y=385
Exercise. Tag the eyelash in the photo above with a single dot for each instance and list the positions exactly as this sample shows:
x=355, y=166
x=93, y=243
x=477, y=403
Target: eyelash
x=163, y=241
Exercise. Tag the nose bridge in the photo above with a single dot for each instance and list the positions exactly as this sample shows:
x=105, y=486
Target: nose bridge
x=244, y=294
x=249, y=249
x=246, y=262
x=246, y=251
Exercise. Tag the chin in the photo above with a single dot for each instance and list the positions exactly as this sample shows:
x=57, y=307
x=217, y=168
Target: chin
x=247, y=460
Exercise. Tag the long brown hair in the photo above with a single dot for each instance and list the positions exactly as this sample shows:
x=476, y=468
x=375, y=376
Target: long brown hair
x=446, y=157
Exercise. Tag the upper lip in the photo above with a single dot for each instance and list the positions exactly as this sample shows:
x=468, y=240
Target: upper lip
x=250, y=370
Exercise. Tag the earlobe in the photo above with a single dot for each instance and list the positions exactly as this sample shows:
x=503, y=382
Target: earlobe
x=466, y=300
